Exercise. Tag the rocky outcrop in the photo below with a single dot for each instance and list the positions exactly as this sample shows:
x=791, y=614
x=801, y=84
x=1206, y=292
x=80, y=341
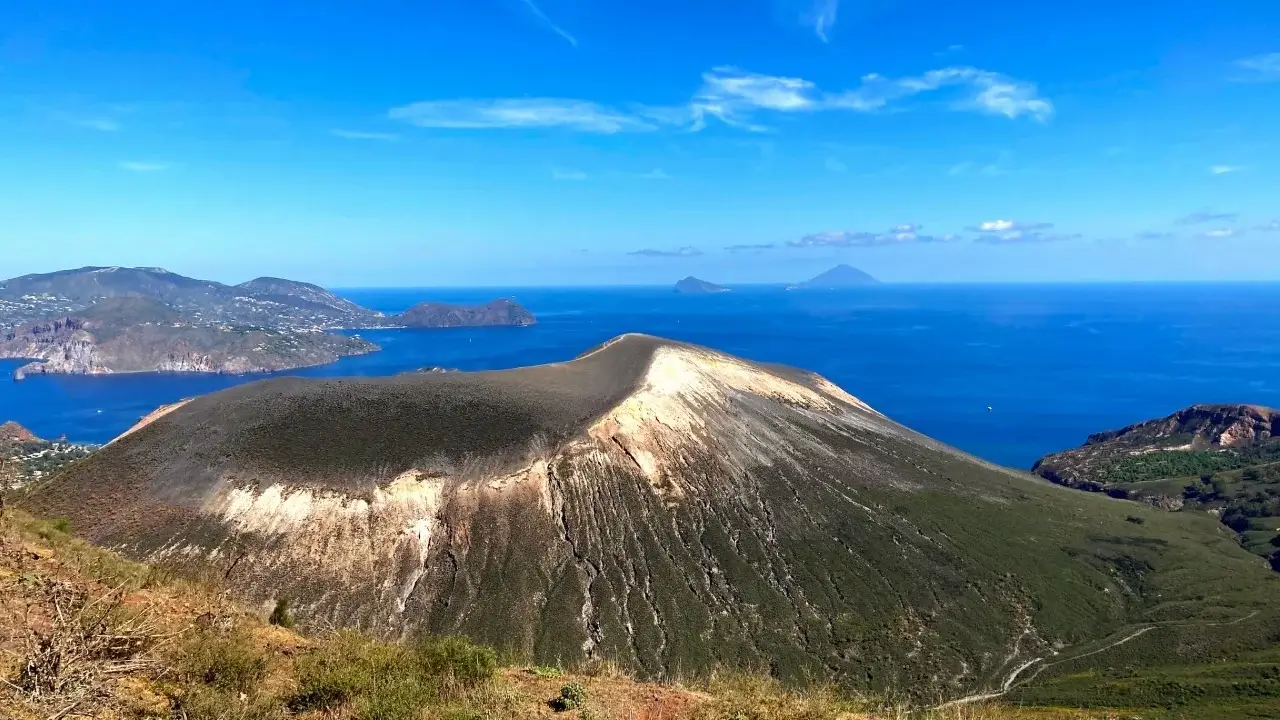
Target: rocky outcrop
x=441, y=315
x=1199, y=426
x=664, y=507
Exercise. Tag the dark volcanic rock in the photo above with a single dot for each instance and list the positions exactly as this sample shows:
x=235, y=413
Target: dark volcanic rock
x=693, y=286
x=666, y=507
x=441, y=315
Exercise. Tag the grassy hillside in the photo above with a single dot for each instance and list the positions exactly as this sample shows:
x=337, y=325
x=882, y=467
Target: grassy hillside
x=86, y=633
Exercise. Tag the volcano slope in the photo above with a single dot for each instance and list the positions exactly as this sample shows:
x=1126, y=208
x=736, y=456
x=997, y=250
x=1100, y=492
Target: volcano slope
x=670, y=509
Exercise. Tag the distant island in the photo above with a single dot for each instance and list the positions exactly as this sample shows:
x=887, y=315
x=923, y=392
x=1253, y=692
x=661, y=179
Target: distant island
x=693, y=286
x=840, y=276
x=439, y=315
x=103, y=320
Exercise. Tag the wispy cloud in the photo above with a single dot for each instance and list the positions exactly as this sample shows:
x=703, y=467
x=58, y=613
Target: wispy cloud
x=1155, y=235
x=748, y=248
x=1273, y=226
x=984, y=92
x=836, y=166
x=899, y=235
x=362, y=135
x=550, y=24
x=1205, y=216
x=567, y=174
x=654, y=174
x=822, y=16
x=685, y=251
x=1259, y=68
x=1224, y=169
x=1024, y=236
x=1221, y=233
x=1003, y=232
x=1000, y=226
x=579, y=115
x=144, y=167
x=950, y=50
x=736, y=98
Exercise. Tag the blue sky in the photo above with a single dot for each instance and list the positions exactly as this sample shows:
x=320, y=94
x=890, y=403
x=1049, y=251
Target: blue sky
x=537, y=142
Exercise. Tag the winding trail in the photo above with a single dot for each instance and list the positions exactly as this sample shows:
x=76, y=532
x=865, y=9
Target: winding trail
x=1011, y=680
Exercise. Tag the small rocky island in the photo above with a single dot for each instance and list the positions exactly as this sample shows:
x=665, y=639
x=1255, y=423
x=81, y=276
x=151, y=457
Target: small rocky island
x=840, y=276
x=693, y=286
x=442, y=315
x=104, y=320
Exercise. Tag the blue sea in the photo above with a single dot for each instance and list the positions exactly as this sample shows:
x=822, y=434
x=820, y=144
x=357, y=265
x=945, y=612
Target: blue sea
x=1053, y=363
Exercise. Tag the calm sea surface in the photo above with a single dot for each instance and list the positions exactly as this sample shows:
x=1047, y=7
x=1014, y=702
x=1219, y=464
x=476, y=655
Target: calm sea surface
x=1054, y=363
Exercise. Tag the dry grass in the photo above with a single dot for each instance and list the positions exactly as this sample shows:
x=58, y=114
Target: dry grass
x=85, y=633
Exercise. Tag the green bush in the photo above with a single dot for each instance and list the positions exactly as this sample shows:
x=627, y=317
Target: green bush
x=572, y=696
x=457, y=659
x=280, y=616
x=226, y=661
x=547, y=671
x=384, y=681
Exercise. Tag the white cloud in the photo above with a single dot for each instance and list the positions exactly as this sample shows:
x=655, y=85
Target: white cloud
x=734, y=97
x=1024, y=236
x=1003, y=232
x=1224, y=169
x=997, y=226
x=579, y=115
x=551, y=25
x=1221, y=233
x=1155, y=235
x=362, y=135
x=1205, y=216
x=685, y=251
x=654, y=174
x=144, y=167
x=1273, y=226
x=899, y=235
x=567, y=174
x=834, y=165
x=823, y=17
x=1259, y=68
x=985, y=92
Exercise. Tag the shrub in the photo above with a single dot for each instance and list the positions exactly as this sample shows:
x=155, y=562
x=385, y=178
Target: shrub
x=1135, y=519
x=226, y=661
x=546, y=671
x=571, y=697
x=457, y=659
x=280, y=616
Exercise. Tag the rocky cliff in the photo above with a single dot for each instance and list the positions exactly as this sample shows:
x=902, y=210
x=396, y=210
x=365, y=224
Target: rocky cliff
x=670, y=509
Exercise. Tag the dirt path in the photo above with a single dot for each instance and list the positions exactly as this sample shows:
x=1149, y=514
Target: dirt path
x=1012, y=678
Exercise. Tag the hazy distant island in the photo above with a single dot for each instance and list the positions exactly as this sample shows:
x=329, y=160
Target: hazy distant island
x=438, y=315
x=840, y=276
x=693, y=286
x=103, y=320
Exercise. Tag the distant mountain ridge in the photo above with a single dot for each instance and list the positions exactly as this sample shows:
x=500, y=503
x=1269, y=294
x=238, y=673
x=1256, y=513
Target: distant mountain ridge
x=840, y=276
x=100, y=320
x=694, y=286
